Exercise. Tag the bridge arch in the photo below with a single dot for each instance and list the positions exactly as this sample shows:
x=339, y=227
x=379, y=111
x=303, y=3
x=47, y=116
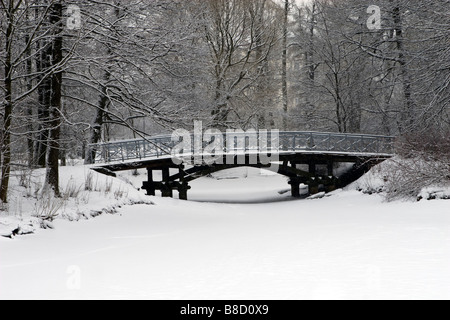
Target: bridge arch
x=289, y=166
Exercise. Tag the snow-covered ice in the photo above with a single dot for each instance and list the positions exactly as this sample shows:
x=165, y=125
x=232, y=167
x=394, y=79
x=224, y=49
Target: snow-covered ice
x=347, y=246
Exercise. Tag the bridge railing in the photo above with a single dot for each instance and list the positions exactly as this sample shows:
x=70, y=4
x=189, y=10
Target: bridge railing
x=336, y=142
x=316, y=142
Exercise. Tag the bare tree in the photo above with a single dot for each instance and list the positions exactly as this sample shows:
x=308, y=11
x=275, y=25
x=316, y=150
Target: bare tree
x=239, y=45
x=34, y=32
x=149, y=72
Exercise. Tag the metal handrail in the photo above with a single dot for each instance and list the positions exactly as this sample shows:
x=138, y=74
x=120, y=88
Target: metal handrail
x=291, y=141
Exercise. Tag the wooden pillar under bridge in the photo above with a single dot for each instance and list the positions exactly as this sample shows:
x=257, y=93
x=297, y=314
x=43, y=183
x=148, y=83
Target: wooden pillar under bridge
x=166, y=188
x=330, y=166
x=183, y=187
x=333, y=181
x=183, y=190
x=165, y=174
x=295, y=187
x=312, y=168
x=150, y=184
x=295, y=183
x=313, y=185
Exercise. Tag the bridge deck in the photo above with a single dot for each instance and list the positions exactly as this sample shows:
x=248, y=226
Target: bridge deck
x=306, y=156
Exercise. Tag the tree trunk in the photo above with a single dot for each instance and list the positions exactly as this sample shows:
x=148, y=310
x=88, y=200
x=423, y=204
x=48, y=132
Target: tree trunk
x=310, y=52
x=29, y=110
x=284, y=84
x=99, y=120
x=311, y=70
x=407, y=114
x=262, y=87
x=6, y=143
x=43, y=64
x=52, y=178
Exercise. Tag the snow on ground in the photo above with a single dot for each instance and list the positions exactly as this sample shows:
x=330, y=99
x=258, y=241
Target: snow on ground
x=85, y=194
x=347, y=246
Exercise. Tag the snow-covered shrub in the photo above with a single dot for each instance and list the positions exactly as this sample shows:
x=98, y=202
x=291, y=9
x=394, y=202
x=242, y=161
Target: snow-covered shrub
x=25, y=178
x=374, y=181
x=48, y=207
x=108, y=186
x=120, y=193
x=423, y=162
x=72, y=190
x=89, y=182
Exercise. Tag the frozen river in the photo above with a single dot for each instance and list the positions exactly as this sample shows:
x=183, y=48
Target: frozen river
x=348, y=246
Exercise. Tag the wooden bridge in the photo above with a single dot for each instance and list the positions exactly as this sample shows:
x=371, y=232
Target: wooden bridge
x=309, y=158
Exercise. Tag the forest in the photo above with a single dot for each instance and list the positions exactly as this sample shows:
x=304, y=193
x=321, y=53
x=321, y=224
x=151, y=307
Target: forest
x=77, y=73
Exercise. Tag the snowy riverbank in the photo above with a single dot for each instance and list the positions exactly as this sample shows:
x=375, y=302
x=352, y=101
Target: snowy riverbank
x=85, y=194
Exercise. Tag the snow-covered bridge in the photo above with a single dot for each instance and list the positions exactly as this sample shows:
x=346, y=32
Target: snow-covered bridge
x=311, y=158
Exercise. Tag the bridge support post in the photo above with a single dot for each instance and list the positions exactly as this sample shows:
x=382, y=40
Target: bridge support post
x=295, y=186
x=313, y=186
x=332, y=185
x=150, y=184
x=183, y=186
x=330, y=166
x=166, y=188
x=312, y=168
x=295, y=189
x=183, y=191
